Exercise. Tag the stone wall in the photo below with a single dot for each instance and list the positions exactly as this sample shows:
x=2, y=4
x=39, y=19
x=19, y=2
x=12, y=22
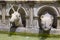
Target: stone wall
x=31, y=16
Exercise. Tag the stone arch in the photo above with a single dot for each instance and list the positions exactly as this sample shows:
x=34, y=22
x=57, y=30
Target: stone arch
x=23, y=15
x=52, y=10
x=21, y=11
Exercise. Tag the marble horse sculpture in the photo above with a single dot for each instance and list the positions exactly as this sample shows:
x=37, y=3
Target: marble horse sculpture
x=46, y=22
x=15, y=21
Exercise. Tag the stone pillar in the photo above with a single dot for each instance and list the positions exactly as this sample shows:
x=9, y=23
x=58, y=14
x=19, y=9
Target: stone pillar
x=58, y=24
x=31, y=16
x=58, y=20
x=27, y=18
x=3, y=13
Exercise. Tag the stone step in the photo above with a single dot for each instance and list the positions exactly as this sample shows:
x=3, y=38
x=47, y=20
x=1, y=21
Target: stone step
x=29, y=30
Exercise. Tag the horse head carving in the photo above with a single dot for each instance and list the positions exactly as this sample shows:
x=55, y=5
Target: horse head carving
x=46, y=21
x=16, y=17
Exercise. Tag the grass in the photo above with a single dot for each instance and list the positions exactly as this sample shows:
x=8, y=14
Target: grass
x=30, y=34
x=18, y=37
x=27, y=36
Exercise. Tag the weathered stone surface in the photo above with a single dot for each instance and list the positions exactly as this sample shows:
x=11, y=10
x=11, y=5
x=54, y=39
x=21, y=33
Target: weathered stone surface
x=31, y=23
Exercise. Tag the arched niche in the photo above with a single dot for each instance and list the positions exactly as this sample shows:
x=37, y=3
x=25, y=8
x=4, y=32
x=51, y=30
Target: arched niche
x=23, y=14
x=51, y=10
x=21, y=11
